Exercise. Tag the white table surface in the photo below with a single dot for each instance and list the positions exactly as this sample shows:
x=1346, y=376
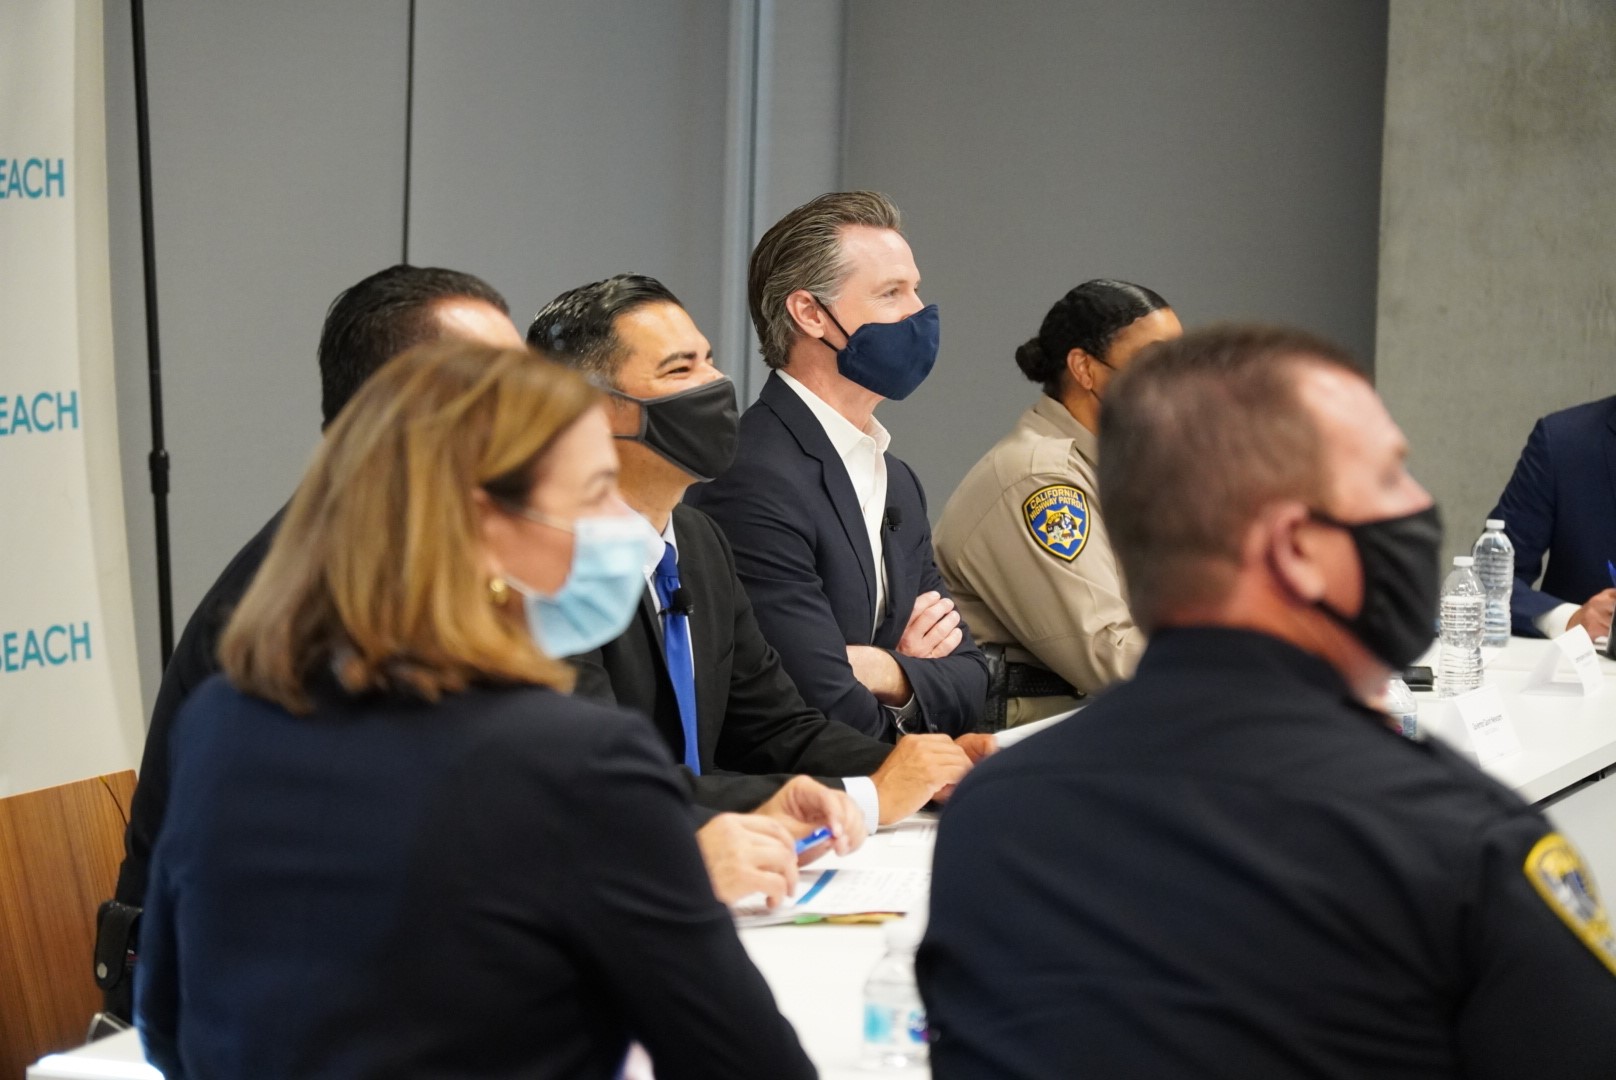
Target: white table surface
x=817, y=971
x=117, y=1057
x=1564, y=738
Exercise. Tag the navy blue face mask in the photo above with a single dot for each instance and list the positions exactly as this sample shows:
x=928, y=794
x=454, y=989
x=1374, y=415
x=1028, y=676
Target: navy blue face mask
x=890, y=359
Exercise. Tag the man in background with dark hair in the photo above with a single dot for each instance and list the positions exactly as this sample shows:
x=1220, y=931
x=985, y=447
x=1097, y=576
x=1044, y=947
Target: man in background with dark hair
x=366, y=325
x=1236, y=866
x=829, y=530
x=694, y=660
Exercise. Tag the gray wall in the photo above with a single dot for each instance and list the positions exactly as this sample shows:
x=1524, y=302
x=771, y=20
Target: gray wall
x=552, y=144
x=1227, y=155
x=277, y=178
x=559, y=143
x=1497, y=298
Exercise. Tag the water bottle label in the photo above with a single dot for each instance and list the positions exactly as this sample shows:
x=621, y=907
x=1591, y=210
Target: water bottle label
x=1409, y=725
x=887, y=1025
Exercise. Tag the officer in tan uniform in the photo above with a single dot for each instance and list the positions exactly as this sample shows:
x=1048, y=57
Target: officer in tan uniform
x=1021, y=543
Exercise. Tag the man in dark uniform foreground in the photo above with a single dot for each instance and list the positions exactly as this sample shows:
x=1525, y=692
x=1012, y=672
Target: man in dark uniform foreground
x=1232, y=866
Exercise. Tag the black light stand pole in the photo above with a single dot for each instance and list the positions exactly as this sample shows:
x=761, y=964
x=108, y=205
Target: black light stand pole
x=157, y=460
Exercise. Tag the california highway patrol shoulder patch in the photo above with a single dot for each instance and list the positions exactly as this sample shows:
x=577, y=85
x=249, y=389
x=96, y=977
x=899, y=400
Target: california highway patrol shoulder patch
x=1058, y=518
x=1557, y=873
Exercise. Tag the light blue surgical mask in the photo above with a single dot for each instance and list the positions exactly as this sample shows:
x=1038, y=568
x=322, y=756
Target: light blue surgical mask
x=597, y=601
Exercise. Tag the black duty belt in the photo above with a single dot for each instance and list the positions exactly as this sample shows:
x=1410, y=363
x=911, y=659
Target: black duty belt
x=1009, y=679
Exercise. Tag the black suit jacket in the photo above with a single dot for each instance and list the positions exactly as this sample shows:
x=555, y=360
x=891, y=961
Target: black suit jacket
x=195, y=659
x=1227, y=867
x=754, y=729
x=787, y=507
x=1561, y=503
x=501, y=884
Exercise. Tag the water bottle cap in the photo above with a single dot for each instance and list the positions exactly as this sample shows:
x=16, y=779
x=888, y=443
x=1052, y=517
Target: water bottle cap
x=1496, y=524
x=905, y=933
x=1462, y=561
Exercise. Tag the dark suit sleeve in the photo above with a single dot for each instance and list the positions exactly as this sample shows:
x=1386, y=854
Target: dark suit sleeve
x=157, y=998
x=195, y=659
x=1527, y=508
x=1518, y=945
x=768, y=727
x=648, y=920
x=951, y=690
x=767, y=527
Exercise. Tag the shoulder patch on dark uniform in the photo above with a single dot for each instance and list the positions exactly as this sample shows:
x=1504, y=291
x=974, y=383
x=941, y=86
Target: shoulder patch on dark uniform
x=1556, y=871
x=1058, y=518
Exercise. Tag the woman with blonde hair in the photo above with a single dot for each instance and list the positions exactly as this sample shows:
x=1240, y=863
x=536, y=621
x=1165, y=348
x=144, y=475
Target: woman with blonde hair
x=395, y=845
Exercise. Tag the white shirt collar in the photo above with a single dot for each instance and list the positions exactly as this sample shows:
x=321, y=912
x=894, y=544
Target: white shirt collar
x=842, y=434
x=654, y=556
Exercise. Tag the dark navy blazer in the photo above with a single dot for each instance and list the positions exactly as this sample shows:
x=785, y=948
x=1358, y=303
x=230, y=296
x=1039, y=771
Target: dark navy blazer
x=503, y=883
x=788, y=509
x=1561, y=502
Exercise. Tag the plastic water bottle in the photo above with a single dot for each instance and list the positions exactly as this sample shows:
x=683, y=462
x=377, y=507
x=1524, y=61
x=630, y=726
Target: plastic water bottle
x=894, y=1017
x=1463, y=606
x=1401, y=707
x=1495, y=566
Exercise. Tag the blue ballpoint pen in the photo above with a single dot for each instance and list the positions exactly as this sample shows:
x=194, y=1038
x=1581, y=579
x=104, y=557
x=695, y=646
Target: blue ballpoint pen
x=818, y=836
x=1610, y=567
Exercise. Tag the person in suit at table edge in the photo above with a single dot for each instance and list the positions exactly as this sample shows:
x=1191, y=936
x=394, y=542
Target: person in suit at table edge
x=396, y=845
x=829, y=530
x=1022, y=542
x=366, y=325
x=1561, y=502
x=694, y=659
x=1232, y=865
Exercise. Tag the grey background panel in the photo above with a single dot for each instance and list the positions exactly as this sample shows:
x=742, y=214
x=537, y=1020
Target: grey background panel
x=1226, y=155
x=1497, y=268
x=559, y=143
x=277, y=177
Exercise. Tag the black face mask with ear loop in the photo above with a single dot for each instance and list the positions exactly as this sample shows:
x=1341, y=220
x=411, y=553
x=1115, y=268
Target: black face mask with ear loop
x=1402, y=584
x=695, y=429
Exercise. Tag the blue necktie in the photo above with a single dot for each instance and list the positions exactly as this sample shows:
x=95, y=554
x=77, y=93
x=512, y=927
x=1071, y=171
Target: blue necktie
x=676, y=652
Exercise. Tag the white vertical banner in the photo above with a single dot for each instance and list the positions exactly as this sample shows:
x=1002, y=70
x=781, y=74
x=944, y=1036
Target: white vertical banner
x=69, y=693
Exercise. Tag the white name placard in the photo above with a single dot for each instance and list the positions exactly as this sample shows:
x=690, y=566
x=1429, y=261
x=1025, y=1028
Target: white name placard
x=1490, y=732
x=1577, y=648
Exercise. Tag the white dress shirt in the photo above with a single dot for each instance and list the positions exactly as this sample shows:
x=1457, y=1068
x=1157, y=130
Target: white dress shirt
x=863, y=455
x=860, y=788
x=1552, y=623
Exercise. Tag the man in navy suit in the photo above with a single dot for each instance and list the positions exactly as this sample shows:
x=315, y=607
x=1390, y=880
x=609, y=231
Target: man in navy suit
x=829, y=530
x=736, y=721
x=1561, y=502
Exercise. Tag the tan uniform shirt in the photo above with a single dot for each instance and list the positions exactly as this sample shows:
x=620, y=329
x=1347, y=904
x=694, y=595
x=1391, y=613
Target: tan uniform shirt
x=1024, y=551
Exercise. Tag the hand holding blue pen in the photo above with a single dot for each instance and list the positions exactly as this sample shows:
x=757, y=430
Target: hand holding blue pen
x=813, y=839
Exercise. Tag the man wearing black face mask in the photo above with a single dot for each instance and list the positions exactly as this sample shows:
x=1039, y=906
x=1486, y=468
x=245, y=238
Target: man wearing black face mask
x=1241, y=869
x=694, y=660
x=829, y=529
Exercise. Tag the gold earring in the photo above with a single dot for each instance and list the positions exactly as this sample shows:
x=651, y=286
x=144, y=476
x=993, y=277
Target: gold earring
x=498, y=591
